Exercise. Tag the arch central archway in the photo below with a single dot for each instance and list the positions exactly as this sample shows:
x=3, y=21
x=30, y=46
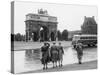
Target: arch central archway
x=44, y=33
x=52, y=36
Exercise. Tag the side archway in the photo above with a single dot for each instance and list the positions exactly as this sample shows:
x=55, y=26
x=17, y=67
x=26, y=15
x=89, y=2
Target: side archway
x=52, y=36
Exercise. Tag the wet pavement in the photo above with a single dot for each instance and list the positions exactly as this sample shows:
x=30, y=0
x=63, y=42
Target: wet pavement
x=29, y=60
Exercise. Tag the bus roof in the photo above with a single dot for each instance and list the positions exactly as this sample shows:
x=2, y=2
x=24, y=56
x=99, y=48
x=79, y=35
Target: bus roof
x=85, y=35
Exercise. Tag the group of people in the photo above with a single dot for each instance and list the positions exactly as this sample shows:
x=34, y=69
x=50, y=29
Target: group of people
x=55, y=53
x=52, y=54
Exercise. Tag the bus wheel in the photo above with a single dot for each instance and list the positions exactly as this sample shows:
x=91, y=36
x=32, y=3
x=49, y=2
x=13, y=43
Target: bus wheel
x=89, y=45
x=94, y=45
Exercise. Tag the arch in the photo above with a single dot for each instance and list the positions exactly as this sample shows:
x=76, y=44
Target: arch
x=34, y=36
x=52, y=35
x=44, y=33
x=40, y=31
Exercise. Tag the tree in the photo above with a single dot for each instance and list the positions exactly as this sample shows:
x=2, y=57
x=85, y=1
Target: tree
x=18, y=37
x=59, y=35
x=65, y=35
x=22, y=37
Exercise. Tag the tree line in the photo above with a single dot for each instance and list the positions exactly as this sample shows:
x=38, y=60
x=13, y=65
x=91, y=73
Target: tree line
x=62, y=36
x=17, y=37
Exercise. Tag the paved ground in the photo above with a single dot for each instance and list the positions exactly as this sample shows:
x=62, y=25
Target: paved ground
x=34, y=45
x=71, y=67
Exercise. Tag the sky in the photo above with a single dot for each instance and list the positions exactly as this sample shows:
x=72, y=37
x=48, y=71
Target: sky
x=69, y=17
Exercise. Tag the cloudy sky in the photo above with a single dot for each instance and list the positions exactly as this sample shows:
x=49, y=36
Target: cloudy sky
x=69, y=17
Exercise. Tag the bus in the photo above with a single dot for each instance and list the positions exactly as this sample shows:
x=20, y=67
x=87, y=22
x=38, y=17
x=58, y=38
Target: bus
x=87, y=39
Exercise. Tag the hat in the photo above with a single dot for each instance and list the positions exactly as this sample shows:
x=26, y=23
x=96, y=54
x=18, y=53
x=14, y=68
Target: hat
x=59, y=42
x=54, y=43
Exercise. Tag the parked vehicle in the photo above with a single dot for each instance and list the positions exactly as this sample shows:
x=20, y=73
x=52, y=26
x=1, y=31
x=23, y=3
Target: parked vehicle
x=87, y=39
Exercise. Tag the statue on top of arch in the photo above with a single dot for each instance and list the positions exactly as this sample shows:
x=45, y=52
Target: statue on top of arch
x=41, y=11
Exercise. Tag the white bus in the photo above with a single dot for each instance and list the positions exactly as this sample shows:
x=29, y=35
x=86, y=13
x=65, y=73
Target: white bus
x=89, y=40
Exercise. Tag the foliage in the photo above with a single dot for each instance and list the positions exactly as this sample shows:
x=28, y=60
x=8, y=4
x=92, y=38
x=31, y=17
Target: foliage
x=59, y=35
x=65, y=35
x=17, y=37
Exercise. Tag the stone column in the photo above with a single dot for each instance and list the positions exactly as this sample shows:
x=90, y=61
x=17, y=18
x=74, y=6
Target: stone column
x=27, y=31
x=39, y=36
x=43, y=35
x=25, y=37
x=49, y=39
x=28, y=35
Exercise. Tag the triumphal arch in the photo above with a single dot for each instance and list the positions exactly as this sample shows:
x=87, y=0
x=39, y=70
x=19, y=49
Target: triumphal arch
x=41, y=26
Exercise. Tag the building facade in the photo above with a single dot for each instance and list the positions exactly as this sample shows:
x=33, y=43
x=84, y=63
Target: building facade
x=89, y=25
x=41, y=26
x=72, y=33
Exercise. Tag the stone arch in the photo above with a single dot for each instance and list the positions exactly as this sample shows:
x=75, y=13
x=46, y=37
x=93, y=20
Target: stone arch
x=34, y=36
x=52, y=36
x=33, y=31
x=44, y=33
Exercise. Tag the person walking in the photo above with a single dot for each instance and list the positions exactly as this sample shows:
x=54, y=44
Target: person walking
x=79, y=50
